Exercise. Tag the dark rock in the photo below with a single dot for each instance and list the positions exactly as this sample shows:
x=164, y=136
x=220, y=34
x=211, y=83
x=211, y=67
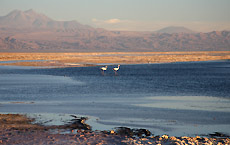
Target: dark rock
x=219, y=134
x=142, y=132
x=125, y=131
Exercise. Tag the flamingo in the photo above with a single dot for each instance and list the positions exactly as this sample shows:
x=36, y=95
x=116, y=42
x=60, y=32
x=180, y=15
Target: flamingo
x=103, y=69
x=116, y=69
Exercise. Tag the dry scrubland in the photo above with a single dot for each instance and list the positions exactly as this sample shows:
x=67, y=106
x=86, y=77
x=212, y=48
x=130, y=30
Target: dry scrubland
x=88, y=59
x=18, y=129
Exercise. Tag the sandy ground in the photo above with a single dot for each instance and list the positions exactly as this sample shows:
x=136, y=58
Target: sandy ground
x=88, y=59
x=18, y=129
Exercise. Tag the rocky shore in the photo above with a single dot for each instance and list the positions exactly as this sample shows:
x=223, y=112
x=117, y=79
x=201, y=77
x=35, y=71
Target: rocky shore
x=19, y=129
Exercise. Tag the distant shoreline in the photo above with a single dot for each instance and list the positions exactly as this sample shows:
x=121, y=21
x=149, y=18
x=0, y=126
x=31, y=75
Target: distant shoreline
x=106, y=58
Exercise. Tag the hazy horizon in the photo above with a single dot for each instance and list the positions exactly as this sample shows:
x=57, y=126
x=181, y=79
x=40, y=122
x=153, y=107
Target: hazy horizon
x=132, y=15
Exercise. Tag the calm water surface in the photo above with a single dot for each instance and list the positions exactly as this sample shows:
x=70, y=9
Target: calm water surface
x=175, y=99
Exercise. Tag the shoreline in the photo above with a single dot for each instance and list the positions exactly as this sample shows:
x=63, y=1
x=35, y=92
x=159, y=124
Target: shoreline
x=20, y=129
x=104, y=58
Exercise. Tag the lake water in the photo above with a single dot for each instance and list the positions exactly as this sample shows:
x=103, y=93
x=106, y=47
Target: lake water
x=191, y=98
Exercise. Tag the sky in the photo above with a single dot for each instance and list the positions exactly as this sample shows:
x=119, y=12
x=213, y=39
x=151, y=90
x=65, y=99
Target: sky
x=132, y=15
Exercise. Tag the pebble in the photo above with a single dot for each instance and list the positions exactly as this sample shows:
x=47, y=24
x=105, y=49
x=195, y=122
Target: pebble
x=165, y=136
x=173, y=138
x=112, y=131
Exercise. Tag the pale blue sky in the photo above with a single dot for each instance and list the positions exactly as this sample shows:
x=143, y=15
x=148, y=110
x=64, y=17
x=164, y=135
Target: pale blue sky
x=140, y=15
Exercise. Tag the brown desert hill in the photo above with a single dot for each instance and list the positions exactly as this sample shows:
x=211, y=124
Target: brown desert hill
x=175, y=29
x=29, y=31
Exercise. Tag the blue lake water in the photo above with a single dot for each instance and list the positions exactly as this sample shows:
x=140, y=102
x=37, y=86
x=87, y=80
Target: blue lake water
x=189, y=98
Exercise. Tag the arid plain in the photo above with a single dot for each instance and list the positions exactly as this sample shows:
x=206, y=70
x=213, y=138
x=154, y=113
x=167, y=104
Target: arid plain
x=106, y=58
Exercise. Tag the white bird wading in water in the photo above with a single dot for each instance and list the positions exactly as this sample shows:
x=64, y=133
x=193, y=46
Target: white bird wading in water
x=116, y=69
x=104, y=68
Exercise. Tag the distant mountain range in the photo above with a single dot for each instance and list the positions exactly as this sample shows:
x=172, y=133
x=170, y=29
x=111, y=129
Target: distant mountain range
x=174, y=29
x=31, y=19
x=29, y=31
